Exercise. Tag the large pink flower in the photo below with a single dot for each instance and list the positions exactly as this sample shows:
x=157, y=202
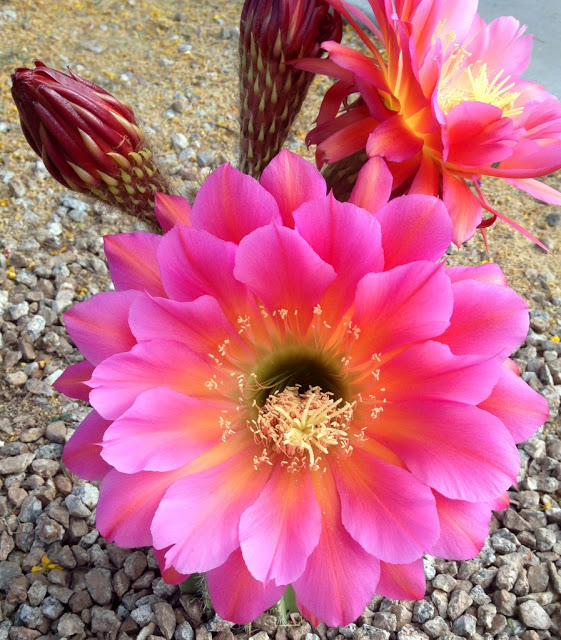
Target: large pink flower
x=292, y=390
x=446, y=107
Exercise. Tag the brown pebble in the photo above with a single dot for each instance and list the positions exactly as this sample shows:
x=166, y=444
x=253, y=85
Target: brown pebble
x=63, y=484
x=99, y=586
x=166, y=619
x=56, y=432
x=135, y=565
x=128, y=626
x=121, y=583
x=22, y=633
x=79, y=601
x=17, y=590
x=31, y=435
x=144, y=581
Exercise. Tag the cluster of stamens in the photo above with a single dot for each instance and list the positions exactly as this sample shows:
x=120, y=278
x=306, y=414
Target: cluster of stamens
x=302, y=426
x=470, y=83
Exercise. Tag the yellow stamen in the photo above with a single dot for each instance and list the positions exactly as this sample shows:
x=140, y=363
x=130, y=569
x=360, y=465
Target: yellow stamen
x=470, y=83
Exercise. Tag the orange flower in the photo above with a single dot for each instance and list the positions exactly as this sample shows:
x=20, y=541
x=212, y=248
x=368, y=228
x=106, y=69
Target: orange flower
x=445, y=108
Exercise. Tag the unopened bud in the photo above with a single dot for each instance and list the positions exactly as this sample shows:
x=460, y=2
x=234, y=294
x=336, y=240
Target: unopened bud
x=272, y=33
x=88, y=140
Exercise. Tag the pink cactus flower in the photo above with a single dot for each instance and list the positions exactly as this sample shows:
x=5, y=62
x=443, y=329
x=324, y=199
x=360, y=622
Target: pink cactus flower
x=291, y=390
x=445, y=108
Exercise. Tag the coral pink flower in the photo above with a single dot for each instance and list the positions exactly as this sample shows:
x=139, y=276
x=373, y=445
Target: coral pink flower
x=292, y=390
x=446, y=108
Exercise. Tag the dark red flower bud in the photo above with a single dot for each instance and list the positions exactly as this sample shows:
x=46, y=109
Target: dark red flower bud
x=272, y=33
x=89, y=141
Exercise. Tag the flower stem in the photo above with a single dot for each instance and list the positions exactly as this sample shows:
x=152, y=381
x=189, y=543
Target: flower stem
x=287, y=604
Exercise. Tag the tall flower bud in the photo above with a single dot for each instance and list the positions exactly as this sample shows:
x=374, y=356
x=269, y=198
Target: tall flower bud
x=273, y=32
x=89, y=141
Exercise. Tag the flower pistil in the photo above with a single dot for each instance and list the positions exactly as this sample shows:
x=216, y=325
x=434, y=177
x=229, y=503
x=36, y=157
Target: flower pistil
x=301, y=425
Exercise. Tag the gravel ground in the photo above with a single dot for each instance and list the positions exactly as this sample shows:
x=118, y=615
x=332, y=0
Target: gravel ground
x=176, y=63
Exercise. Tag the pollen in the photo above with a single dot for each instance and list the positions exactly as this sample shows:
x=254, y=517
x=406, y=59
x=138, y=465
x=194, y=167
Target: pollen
x=496, y=91
x=461, y=82
x=302, y=426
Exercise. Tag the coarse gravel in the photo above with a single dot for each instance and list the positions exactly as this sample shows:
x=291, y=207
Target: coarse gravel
x=175, y=61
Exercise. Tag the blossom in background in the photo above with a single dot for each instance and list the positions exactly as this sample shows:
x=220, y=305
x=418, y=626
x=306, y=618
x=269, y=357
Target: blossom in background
x=290, y=390
x=273, y=32
x=89, y=141
x=446, y=107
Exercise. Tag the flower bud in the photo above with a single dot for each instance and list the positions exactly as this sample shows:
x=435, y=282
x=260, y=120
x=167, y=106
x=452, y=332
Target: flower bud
x=272, y=33
x=89, y=141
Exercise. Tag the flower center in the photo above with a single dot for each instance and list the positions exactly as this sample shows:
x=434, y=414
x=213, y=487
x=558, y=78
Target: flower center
x=302, y=426
x=297, y=366
x=460, y=83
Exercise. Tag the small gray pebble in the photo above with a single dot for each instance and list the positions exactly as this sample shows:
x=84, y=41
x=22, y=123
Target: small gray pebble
x=184, y=631
x=52, y=608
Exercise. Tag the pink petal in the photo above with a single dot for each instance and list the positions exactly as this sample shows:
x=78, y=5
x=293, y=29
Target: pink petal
x=462, y=206
x=427, y=178
x=501, y=502
x=537, y=189
x=281, y=528
x=127, y=504
x=358, y=249
x=490, y=273
x=99, y=326
x=357, y=62
x=438, y=19
x=488, y=319
x=82, y=453
x=459, y=16
x=340, y=577
x=501, y=46
x=195, y=263
x=291, y=180
x=344, y=136
x=530, y=159
x=372, y=99
x=323, y=66
x=477, y=135
x=196, y=543
x=385, y=509
x=283, y=271
x=409, y=303
x=169, y=575
x=415, y=227
x=307, y=614
x=464, y=528
x=119, y=380
x=133, y=263
x=373, y=185
x=402, y=581
x=430, y=370
x=459, y=450
x=170, y=210
x=200, y=324
x=231, y=204
x=163, y=430
x=71, y=382
x=236, y=595
x=393, y=140
x=521, y=409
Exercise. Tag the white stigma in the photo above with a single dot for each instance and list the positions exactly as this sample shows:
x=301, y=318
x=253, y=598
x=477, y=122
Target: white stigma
x=301, y=426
